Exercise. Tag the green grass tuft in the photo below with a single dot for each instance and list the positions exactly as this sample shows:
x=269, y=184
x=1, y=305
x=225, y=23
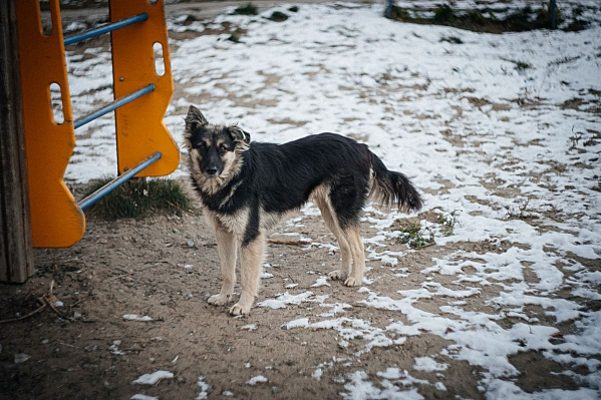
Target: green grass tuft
x=443, y=13
x=278, y=16
x=521, y=65
x=447, y=223
x=451, y=39
x=412, y=235
x=234, y=37
x=247, y=9
x=139, y=198
x=525, y=19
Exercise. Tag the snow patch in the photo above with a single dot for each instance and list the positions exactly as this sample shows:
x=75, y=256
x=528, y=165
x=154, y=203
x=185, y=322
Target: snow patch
x=151, y=379
x=136, y=317
x=257, y=379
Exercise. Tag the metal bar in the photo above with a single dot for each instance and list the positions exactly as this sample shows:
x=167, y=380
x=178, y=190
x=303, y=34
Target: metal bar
x=114, y=105
x=99, y=194
x=389, y=8
x=101, y=30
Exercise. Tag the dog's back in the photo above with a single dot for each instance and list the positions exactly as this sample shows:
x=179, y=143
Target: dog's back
x=284, y=176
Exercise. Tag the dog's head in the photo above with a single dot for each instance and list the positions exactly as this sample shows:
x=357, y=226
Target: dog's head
x=214, y=150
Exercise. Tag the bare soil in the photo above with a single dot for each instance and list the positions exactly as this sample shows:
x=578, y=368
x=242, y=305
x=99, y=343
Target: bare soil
x=166, y=267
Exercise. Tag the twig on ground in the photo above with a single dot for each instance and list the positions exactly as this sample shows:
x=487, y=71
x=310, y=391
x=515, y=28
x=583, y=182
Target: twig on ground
x=290, y=242
x=31, y=314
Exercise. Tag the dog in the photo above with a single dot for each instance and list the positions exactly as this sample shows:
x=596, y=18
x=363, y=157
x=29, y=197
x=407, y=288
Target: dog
x=246, y=187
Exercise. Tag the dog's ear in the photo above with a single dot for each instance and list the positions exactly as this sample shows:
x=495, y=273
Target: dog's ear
x=194, y=119
x=239, y=134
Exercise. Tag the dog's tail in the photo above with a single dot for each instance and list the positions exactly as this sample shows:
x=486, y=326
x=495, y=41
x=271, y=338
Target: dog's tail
x=391, y=188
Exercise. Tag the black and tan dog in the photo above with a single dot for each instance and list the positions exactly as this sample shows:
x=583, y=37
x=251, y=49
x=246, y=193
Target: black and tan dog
x=246, y=188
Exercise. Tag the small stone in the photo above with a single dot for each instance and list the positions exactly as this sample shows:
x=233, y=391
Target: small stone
x=21, y=358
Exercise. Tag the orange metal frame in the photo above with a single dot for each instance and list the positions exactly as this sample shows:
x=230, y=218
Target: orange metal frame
x=140, y=128
x=57, y=220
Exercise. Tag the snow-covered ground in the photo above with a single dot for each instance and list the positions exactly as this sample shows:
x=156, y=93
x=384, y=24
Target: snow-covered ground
x=501, y=133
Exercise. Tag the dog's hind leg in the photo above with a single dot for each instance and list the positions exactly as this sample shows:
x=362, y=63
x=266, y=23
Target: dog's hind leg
x=250, y=270
x=227, y=247
x=353, y=236
x=321, y=199
x=345, y=248
x=347, y=197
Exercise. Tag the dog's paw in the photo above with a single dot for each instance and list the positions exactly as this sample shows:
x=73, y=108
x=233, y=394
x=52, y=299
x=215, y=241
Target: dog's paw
x=350, y=282
x=240, y=309
x=337, y=275
x=219, y=299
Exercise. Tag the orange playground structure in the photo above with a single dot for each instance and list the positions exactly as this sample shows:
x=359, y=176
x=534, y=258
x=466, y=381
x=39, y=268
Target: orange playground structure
x=142, y=85
x=56, y=218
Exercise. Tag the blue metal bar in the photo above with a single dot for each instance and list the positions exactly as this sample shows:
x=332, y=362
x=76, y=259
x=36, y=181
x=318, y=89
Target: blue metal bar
x=101, y=30
x=114, y=105
x=388, y=9
x=99, y=194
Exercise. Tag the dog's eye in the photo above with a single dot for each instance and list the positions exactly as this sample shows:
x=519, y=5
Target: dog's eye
x=201, y=145
x=223, y=148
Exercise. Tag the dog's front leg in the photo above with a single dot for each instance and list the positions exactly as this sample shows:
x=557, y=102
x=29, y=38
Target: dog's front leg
x=227, y=247
x=250, y=272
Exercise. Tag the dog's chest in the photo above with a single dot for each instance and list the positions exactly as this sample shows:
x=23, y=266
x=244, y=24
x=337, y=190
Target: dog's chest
x=235, y=222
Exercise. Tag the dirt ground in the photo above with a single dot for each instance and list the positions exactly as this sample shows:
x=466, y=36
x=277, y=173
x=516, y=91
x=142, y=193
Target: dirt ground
x=166, y=267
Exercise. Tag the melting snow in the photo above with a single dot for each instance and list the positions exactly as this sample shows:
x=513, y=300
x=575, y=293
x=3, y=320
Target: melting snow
x=321, y=281
x=249, y=327
x=360, y=387
x=428, y=364
x=140, y=396
x=203, y=388
x=151, y=379
x=297, y=323
x=286, y=299
x=136, y=317
x=257, y=379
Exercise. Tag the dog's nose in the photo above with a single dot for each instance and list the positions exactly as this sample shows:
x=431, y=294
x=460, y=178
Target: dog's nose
x=211, y=171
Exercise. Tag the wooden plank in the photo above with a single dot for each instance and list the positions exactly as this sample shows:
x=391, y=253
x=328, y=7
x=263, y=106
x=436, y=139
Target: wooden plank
x=16, y=260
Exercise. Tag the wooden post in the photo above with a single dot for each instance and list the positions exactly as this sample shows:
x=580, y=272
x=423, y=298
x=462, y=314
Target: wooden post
x=16, y=260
